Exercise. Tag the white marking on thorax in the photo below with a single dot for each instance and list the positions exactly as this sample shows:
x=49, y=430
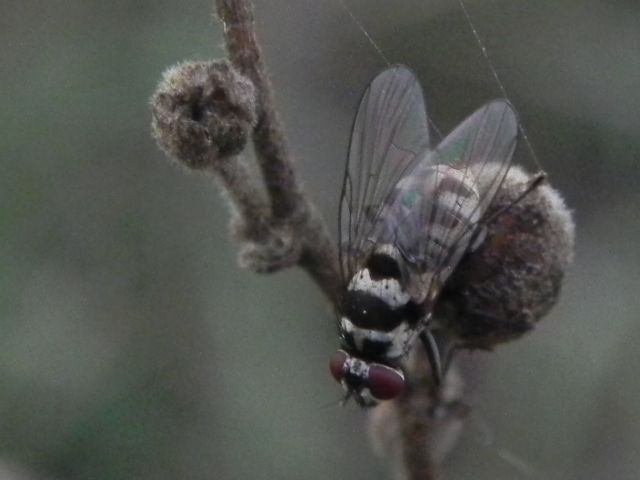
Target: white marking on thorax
x=388, y=290
x=397, y=339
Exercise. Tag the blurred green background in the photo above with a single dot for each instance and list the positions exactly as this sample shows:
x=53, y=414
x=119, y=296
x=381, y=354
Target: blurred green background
x=132, y=347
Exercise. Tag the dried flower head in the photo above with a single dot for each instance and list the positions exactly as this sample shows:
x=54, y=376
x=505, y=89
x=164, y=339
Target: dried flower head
x=500, y=290
x=203, y=112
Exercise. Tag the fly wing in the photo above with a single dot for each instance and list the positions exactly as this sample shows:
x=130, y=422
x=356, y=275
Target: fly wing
x=390, y=133
x=439, y=206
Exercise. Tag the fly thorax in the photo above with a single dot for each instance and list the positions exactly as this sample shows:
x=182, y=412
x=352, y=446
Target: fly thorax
x=387, y=289
x=379, y=318
x=372, y=343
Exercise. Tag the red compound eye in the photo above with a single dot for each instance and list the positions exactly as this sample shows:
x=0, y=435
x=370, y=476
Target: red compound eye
x=384, y=382
x=338, y=364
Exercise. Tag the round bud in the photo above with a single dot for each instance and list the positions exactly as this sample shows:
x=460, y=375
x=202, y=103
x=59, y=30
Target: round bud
x=203, y=112
x=385, y=382
x=499, y=290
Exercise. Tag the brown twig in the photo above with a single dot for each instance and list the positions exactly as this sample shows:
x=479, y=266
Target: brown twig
x=289, y=206
x=268, y=135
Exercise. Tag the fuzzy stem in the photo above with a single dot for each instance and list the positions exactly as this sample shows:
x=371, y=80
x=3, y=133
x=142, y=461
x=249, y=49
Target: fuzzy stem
x=268, y=135
x=319, y=257
x=415, y=433
x=288, y=205
x=245, y=196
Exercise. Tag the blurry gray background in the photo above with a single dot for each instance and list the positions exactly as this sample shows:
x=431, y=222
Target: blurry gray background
x=131, y=347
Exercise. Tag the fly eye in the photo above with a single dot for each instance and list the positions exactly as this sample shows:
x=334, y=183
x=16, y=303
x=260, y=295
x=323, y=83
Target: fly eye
x=384, y=382
x=338, y=365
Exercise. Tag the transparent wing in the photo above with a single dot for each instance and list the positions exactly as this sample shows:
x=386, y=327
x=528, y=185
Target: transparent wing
x=437, y=208
x=390, y=131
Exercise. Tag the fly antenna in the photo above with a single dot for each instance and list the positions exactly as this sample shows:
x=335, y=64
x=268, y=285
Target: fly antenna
x=494, y=72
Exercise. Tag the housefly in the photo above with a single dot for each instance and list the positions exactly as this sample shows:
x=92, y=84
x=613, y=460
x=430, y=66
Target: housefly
x=408, y=213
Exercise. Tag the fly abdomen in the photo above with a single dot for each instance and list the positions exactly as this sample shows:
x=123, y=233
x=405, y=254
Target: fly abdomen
x=437, y=209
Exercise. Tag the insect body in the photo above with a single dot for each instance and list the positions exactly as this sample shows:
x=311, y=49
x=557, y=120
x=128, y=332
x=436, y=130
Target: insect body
x=408, y=214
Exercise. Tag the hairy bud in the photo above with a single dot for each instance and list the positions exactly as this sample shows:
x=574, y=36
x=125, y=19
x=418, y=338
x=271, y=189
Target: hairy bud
x=203, y=112
x=513, y=278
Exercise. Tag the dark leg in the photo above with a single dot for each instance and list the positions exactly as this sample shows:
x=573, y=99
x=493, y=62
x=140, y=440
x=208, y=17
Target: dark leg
x=477, y=237
x=537, y=180
x=433, y=355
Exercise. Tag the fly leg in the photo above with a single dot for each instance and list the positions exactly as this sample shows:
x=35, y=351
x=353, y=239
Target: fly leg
x=537, y=180
x=480, y=232
x=478, y=236
x=433, y=355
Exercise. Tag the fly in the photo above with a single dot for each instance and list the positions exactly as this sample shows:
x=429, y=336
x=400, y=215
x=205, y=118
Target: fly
x=408, y=213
